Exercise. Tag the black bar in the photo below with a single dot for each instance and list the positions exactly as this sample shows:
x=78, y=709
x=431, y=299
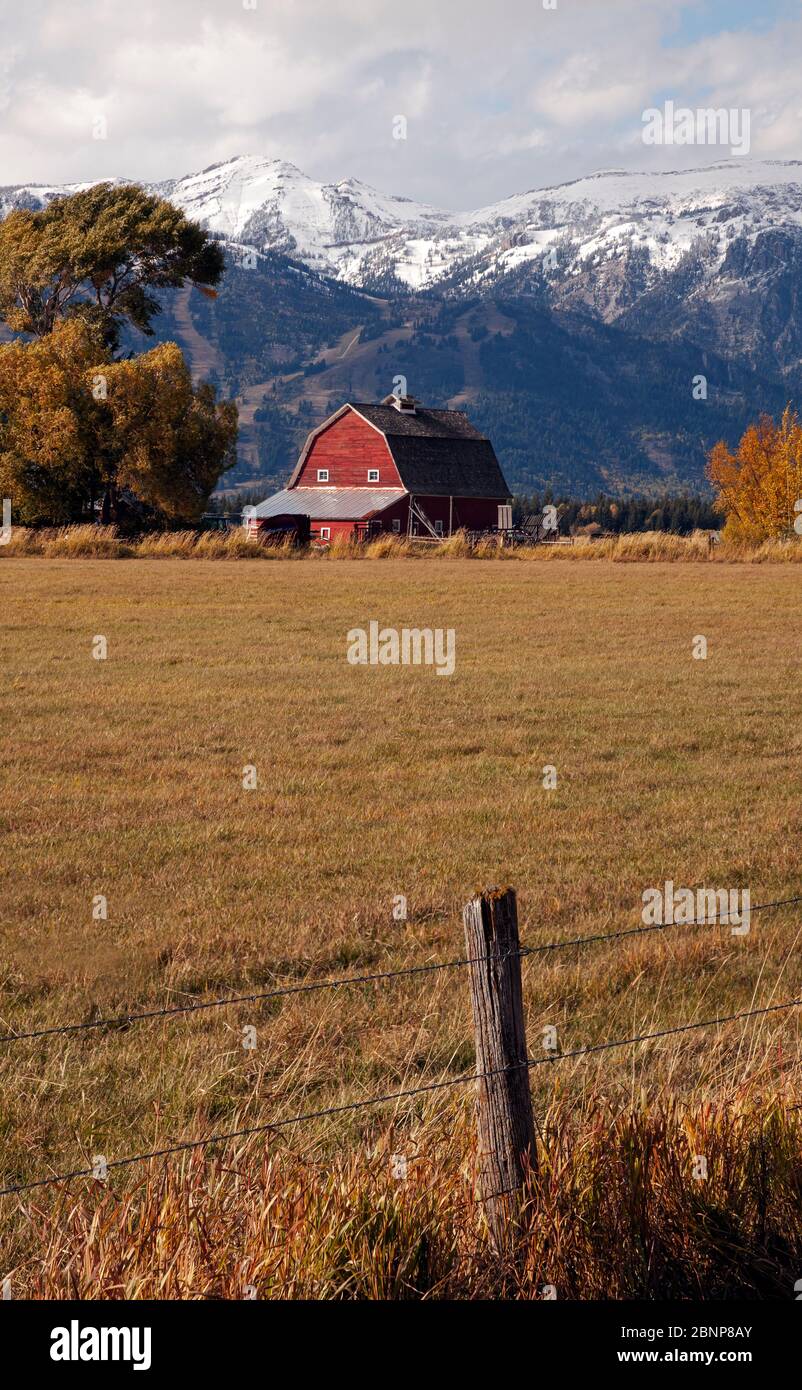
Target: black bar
x=221, y=1339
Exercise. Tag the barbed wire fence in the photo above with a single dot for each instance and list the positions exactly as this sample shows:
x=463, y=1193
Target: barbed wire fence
x=390, y=1096
x=496, y=969
x=348, y=981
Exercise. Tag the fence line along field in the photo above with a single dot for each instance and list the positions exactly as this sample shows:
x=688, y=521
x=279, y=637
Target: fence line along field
x=144, y=870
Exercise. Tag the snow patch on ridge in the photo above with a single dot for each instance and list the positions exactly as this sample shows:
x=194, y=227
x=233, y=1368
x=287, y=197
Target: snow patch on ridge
x=360, y=235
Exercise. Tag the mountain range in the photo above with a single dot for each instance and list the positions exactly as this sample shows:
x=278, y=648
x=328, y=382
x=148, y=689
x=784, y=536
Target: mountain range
x=604, y=332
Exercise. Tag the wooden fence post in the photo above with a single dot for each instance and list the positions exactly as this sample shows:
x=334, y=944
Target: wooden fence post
x=506, y=1131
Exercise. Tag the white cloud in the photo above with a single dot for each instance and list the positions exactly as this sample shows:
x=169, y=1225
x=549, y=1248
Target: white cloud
x=584, y=93
x=497, y=98
x=530, y=140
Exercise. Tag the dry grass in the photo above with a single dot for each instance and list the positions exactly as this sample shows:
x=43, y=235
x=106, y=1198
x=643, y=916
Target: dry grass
x=614, y=1213
x=124, y=778
x=103, y=543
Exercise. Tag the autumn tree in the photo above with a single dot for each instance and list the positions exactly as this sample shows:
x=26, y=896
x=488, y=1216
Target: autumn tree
x=76, y=426
x=758, y=487
x=159, y=437
x=100, y=254
x=46, y=465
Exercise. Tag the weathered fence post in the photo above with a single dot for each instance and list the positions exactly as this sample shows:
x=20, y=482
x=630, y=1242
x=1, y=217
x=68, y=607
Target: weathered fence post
x=505, y=1124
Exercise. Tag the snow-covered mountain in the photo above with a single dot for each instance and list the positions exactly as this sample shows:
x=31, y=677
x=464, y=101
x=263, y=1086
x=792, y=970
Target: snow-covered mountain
x=578, y=316
x=358, y=235
x=664, y=214
x=270, y=205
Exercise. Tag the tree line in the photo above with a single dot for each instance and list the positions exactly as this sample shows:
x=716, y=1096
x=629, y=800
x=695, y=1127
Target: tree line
x=757, y=493
x=679, y=513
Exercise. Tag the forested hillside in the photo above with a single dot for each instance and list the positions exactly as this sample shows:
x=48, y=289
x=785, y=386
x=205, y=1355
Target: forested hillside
x=570, y=402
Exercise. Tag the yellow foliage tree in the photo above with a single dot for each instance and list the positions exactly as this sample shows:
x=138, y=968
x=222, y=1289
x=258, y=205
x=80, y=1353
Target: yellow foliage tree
x=76, y=426
x=161, y=438
x=759, y=485
x=46, y=465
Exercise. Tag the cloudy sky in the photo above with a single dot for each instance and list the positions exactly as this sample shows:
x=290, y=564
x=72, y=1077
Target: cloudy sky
x=497, y=97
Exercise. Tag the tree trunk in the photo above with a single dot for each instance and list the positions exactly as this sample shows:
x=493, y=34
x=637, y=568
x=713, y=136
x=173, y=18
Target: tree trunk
x=109, y=512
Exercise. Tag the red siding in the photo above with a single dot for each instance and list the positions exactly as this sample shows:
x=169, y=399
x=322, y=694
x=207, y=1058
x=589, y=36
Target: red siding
x=348, y=448
x=336, y=528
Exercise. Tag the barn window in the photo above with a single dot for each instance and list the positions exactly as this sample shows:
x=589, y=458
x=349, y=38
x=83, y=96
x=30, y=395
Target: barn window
x=323, y=475
x=373, y=475
x=396, y=524
x=438, y=526
x=325, y=532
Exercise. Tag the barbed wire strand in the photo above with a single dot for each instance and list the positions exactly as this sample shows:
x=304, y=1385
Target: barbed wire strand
x=121, y=1020
x=431, y=1086
x=346, y=981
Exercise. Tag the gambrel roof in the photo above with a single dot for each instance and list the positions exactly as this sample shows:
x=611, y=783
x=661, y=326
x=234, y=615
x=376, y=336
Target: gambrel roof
x=422, y=424
x=438, y=453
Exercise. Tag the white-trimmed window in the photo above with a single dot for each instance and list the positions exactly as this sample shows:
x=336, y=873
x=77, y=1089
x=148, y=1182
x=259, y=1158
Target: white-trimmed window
x=373, y=475
x=325, y=533
x=323, y=475
x=438, y=526
x=396, y=524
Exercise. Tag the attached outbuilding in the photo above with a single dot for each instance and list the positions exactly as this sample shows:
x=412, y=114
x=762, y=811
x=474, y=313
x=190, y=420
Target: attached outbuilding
x=397, y=467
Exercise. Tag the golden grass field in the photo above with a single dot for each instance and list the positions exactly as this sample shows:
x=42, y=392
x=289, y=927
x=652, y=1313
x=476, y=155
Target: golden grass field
x=123, y=778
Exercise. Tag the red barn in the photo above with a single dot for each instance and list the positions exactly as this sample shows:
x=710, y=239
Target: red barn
x=396, y=467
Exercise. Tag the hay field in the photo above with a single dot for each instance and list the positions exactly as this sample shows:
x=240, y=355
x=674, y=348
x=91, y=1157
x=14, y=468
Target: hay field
x=123, y=778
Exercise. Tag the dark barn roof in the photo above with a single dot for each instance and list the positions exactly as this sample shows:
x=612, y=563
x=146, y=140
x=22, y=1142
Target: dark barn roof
x=438, y=453
x=423, y=424
x=445, y=468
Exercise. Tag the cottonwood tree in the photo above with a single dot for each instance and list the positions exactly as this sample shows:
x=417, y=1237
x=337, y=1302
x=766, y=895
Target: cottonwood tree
x=759, y=485
x=99, y=255
x=46, y=465
x=76, y=426
x=163, y=439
